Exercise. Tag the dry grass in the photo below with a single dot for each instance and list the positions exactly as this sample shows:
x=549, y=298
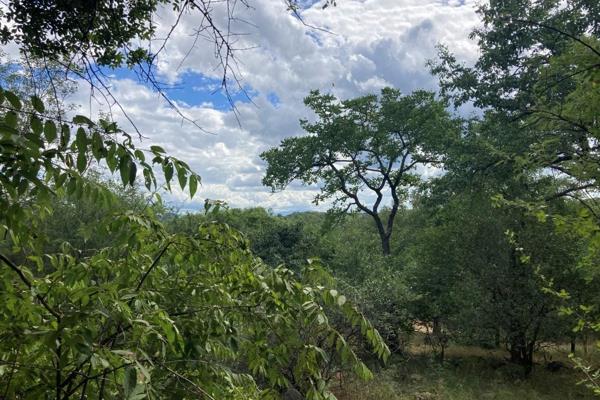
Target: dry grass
x=468, y=373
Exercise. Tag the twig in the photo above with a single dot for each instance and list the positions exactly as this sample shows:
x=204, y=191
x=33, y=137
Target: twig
x=24, y=279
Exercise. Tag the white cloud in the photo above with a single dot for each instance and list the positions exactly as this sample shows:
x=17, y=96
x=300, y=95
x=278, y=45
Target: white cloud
x=374, y=43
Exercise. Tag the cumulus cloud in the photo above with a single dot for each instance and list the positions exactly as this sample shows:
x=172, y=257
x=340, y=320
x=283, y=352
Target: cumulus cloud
x=370, y=44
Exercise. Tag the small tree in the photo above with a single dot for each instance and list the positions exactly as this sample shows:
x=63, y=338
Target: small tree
x=364, y=151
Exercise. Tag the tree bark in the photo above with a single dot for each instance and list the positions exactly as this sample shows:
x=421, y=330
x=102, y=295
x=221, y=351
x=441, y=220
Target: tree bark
x=437, y=326
x=385, y=245
x=383, y=235
x=439, y=337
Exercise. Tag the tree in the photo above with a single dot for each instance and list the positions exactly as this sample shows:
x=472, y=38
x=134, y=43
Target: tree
x=106, y=32
x=143, y=312
x=538, y=70
x=85, y=37
x=481, y=271
x=136, y=316
x=539, y=67
x=275, y=239
x=364, y=151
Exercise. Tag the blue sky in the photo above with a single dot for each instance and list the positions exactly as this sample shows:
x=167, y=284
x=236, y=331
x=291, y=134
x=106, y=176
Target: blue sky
x=193, y=89
x=370, y=44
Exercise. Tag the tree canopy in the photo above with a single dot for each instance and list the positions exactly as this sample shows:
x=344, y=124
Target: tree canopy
x=111, y=303
x=365, y=152
x=107, y=293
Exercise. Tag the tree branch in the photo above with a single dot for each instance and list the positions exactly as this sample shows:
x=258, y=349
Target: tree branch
x=554, y=29
x=24, y=279
x=156, y=260
x=568, y=191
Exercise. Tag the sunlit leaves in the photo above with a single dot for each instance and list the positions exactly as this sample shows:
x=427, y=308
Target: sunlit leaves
x=193, y=185
x=38, y=153
x=144, y=311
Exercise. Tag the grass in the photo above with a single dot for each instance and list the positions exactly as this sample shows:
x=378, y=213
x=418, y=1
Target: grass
x=468, y=373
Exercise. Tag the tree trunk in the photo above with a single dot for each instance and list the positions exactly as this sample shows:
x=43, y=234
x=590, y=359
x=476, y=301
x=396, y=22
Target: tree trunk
x=521, y=352
x=437, y=327
x=383, y=235
x=573, y=344
x=385, y=245
x=529, y=358
x=439, y=338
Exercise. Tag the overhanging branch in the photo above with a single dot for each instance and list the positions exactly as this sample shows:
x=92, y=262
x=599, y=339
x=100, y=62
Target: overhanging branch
x=27, y=283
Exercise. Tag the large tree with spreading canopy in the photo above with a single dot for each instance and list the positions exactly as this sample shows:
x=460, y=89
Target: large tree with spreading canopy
x=367, y=153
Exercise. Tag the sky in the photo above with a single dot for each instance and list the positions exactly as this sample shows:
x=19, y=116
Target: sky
x=360, y=47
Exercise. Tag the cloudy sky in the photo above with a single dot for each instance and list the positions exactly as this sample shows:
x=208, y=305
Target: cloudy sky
x=369, y=44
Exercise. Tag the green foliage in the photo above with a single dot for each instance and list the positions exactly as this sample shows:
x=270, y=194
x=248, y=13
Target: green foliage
x=385, y=299
x=368, y=144
x=124, y=308
x=515, y=40
x=41, y=154
x=275, y=239
x=537, y=74
x=481, y=270
x=102, y=30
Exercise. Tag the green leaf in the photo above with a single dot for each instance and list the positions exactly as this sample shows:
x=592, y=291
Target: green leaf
x=71, y=186
x=11, y=119
x=97, y=145
x=82, y=120
x=50, y=131
x=60, y=180
x=81, y=140
x=130, y=380
x=65, y=135
x=363, y=371
x=168, y=171
x=181, y=176
x=36, y=125
x=38, y=104
x=140, y=155
x=111, y=159
x=124, y=167
x=132, y=172
x=193, y=185
x=147, y=178
x=157, y=149
x=13, y=100
x=81, y=162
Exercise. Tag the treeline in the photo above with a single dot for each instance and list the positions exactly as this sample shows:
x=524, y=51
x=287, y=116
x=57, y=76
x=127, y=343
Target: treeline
x=458, y=267
x=502, y=233
x=483, y=227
